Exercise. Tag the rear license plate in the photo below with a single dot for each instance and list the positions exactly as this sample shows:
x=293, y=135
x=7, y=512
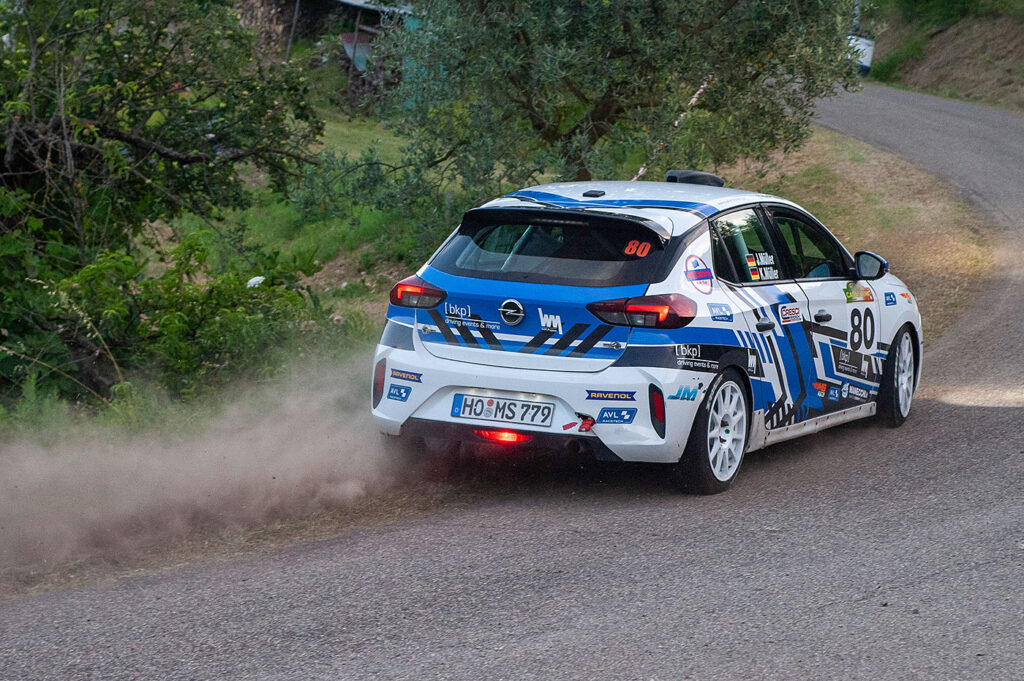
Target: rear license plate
x=504, y=410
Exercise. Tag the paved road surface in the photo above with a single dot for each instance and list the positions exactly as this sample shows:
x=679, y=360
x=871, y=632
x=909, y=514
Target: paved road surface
x=863, y=553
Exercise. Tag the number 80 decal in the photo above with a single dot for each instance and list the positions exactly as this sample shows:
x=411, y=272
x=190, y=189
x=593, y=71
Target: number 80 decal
x=862, y=328
x=638, y=248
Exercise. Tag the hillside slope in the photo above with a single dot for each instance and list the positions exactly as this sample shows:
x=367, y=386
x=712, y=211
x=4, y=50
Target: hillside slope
x=975, y=58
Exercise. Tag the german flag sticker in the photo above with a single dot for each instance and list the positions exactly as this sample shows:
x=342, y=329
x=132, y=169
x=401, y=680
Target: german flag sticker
x=752, y=266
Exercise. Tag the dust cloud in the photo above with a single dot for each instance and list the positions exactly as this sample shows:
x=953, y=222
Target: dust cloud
x=272, y=454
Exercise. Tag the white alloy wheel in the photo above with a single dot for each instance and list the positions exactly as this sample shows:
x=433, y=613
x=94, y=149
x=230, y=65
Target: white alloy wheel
x=904, y=375
x=727, y=430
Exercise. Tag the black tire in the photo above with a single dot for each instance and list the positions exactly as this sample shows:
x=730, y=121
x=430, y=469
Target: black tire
x=893, y=402
x=695, y=472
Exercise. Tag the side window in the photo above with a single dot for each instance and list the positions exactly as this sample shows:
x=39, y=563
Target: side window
x=815, y=255
x=742, y=251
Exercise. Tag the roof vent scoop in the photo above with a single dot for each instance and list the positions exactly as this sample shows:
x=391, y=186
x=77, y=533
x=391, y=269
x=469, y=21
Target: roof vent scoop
x=694, y=177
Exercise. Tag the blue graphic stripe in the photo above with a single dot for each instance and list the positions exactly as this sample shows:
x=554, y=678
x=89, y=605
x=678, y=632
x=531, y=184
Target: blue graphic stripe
x=402, y=315
x=568, y=202
x=686, y=335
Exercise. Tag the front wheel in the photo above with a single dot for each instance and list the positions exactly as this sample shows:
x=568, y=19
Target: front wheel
x=896, y=391
x=718, y=438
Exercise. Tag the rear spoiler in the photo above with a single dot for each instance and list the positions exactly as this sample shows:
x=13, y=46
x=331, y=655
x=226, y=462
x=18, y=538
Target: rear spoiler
x=480, y=217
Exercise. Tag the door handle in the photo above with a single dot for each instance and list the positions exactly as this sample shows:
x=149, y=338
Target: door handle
x=765, y=325
x=821, y=317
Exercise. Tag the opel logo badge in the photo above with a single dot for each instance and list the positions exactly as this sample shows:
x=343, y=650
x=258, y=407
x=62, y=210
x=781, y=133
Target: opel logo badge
x=512, y=312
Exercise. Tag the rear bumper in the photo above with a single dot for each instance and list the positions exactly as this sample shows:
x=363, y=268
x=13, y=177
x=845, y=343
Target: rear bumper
x=425, y=387
x=539, y=439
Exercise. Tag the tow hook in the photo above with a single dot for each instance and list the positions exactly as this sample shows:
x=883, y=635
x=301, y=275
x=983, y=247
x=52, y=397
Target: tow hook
x=586, y=422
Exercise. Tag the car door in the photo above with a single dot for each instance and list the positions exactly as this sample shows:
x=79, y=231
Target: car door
x=776, y=315
x=844, y=311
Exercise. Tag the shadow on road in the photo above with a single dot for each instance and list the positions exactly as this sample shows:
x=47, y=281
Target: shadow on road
x=943, y=437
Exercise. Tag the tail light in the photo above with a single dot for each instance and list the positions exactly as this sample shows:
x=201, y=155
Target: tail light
x=378, y=381
x=657, y=399
x=414, y=292
x=508, y=436
x=666, y=311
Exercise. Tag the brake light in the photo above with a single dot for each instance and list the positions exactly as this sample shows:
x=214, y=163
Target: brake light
x=508, y=436
x=666, y=311
x=378, y=381
x=657, y=399
x=414, y=292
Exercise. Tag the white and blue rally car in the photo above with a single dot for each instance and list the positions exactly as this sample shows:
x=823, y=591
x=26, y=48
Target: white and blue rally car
x=676, y=322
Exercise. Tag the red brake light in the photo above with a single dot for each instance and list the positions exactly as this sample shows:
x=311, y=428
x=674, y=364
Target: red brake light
x=657, y=410
x=414, y=292
x=666, y=311
x=378, y=381
x=503, y=436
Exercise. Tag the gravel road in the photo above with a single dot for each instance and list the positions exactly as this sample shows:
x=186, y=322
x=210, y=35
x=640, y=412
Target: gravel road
x=862, y=553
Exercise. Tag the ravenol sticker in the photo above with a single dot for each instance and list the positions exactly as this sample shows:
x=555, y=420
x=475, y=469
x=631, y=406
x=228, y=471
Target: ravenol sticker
x=684, y=393
x=612, y=395
x=858, y=293
x=859, y=393
x=820, y=387
x=399, y=393
x=621, y=416
x=907, y=297
x=789, y=313
x=699, y=274
x=406, y=376
x=890, y=298
x=720, y=312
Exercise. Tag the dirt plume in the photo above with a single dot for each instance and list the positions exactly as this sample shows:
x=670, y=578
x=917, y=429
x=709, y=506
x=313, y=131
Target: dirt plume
x=278, y=453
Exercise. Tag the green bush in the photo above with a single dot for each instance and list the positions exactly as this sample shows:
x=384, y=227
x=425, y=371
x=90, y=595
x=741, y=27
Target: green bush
x=888, y=68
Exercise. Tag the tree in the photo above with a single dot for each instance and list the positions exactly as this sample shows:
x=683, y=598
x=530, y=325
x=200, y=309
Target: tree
x=114, y=114
x=506, y=90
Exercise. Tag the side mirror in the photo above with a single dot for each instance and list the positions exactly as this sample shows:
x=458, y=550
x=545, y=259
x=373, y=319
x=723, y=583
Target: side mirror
x=869, y=266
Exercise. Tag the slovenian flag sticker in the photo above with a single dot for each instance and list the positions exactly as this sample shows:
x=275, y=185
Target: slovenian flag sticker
x=752, y=266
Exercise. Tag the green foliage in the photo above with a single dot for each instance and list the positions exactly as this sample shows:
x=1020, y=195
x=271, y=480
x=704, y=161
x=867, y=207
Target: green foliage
x=888, y=68
x=115, y=114
x=494, y=94
x=186, y=328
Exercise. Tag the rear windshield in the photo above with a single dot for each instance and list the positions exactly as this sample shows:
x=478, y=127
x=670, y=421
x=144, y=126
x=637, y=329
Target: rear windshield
x=565, y=248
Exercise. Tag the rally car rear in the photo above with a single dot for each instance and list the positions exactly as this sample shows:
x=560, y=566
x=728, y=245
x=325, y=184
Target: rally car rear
x=537, y=327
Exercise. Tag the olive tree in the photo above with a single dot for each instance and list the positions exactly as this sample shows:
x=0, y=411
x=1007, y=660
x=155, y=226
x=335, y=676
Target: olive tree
x=505, y=90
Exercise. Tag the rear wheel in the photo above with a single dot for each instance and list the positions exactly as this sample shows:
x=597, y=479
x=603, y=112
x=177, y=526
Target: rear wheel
x=718, y=438
x=896, y=392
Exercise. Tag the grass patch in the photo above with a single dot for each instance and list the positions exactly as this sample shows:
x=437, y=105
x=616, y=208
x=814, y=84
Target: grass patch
x=887, y=68
x=352, y=136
